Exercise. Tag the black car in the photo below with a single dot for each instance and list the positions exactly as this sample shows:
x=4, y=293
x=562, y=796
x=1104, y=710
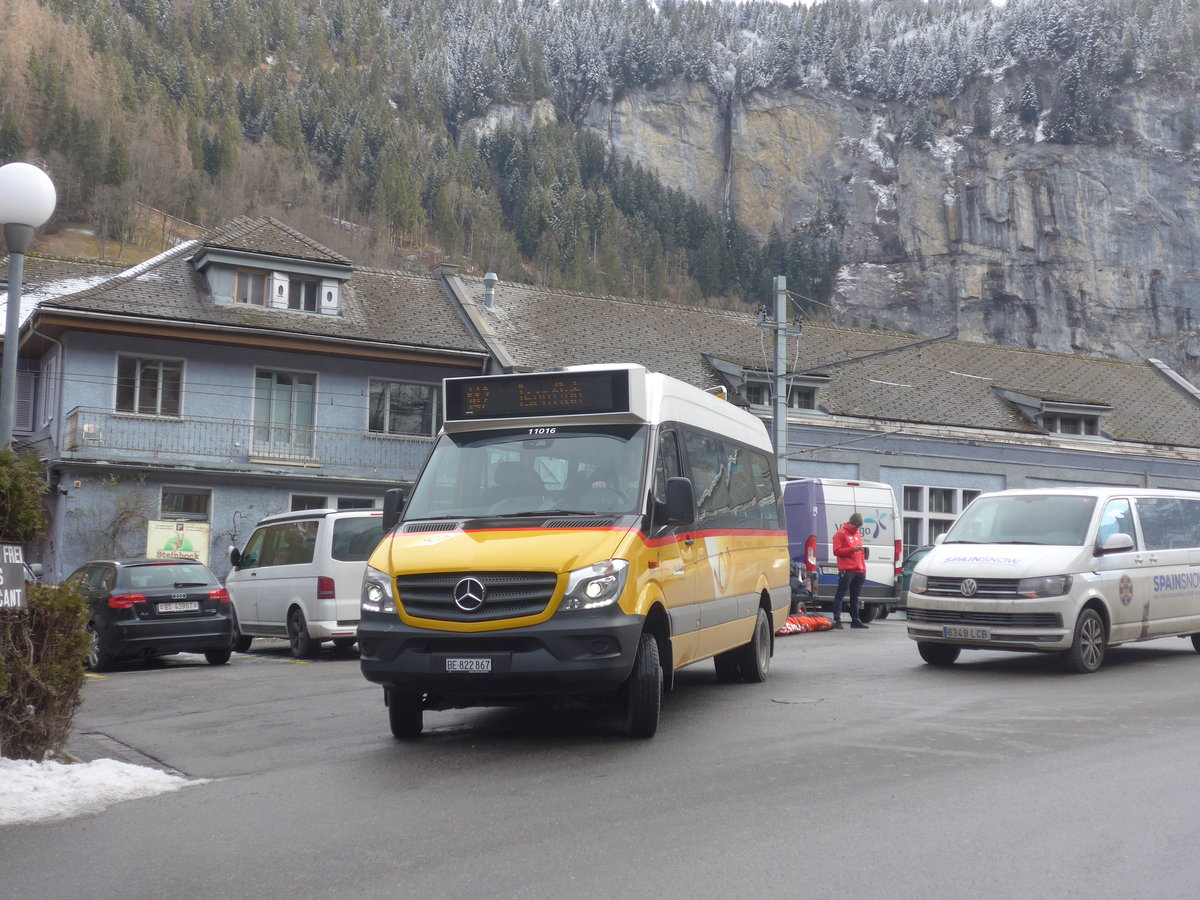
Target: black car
x=144, y=608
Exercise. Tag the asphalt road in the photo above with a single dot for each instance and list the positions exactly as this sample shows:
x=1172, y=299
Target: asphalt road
x=855, y=771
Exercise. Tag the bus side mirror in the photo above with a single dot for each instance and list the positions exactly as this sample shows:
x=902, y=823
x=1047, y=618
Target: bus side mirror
x=1115, y=543
x=393, y=503
x=235, y=556
x=681, y=502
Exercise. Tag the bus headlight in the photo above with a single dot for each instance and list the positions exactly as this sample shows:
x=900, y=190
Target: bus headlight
x=377, y=592
x=597, y=585
x=1050, y=586
x=917, y=583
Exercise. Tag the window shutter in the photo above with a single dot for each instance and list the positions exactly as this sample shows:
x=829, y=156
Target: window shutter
x=23, y=413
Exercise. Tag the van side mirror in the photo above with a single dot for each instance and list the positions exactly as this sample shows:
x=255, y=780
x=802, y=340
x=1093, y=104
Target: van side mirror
x=939, y=538
x=235, y=556
x=393, y=505
x=1115, y=543
x=37, y=570
x=681, y=501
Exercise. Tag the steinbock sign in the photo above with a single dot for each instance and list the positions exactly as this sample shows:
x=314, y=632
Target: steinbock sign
x=12, y=577
x=178, y=540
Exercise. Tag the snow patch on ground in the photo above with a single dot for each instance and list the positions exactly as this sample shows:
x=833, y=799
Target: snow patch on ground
x=37, y=792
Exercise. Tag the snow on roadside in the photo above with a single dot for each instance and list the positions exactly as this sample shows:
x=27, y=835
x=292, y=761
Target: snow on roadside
x=36, y=792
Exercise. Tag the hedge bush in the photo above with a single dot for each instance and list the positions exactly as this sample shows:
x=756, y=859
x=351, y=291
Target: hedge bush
x=41, y=671
x=44, y=646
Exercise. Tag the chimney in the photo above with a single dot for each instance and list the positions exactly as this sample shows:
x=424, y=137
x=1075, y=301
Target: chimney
x=489, y=289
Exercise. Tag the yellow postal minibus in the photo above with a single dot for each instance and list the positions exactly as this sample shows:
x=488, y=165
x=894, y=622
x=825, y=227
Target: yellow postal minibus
x=577, y=533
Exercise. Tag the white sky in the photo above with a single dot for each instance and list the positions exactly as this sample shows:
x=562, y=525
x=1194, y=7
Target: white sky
x=37, y=792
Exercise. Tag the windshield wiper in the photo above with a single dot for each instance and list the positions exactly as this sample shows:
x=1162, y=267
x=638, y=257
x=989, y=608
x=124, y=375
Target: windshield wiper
x=183, y=584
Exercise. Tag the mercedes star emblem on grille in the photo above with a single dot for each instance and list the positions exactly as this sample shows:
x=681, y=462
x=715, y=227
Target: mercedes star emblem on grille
x=469, y=594
x=969, y=587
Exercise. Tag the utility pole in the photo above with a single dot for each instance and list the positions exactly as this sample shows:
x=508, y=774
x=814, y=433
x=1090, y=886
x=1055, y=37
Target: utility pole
x=779, y=376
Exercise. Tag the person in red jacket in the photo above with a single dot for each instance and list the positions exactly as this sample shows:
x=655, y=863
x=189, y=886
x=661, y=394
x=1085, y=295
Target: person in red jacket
x=852, y=570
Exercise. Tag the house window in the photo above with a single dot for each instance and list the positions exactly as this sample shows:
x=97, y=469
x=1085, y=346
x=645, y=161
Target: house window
x=303, y=293
x=150, y=387
x=302, y=502
x=758, y=393
x=1059, y=423
x=930, y=511
x=182, y=503
x=250, y=286
x=284, y=412
x=400, y=408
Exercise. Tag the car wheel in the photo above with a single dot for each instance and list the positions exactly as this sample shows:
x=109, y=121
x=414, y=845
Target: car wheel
x=938, y=654
x=404, y=714
x=241, y=642
x=218, y=657
x=1196, y=642
x=644, y=689
x=1086, y=652
x=303, y=646
x=727, y=667
x=868, y=612
x=98, y=659
x=754, y=658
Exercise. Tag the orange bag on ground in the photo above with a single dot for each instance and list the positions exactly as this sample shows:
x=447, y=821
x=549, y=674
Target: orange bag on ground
x=801, y=624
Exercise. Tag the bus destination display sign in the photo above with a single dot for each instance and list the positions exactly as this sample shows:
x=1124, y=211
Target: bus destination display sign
x=537, y=395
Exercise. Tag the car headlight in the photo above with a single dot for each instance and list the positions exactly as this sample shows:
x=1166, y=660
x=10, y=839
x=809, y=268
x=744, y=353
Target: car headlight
x=1050, y=586
x=594, y=586
x=917, y=583
x=377, y=592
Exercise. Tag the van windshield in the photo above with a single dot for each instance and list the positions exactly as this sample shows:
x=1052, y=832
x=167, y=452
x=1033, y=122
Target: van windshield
x=1056, y=519
x=573, y=469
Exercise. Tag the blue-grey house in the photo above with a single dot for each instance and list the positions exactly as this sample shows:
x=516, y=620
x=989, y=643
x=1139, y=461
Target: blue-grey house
x=248, y=372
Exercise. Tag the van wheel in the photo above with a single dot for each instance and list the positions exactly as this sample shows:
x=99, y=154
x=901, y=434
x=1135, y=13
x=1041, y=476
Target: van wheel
x=404, y=714
x=1196, y=642
x=867, y=612
x=1086, y=652
x=754, y=658
x=938, y=654
x=303, y=646
x=882, y=613
x=644, y=690
x=98, y=659
x=241, y=642
x=727, y=667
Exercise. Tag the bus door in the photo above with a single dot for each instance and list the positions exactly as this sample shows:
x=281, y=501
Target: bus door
x=679, y=555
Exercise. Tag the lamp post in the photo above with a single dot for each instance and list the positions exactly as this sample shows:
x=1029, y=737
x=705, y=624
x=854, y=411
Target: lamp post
x=27, y=199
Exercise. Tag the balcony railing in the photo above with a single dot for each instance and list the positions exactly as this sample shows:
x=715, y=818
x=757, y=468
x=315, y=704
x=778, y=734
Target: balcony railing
x=94, y=434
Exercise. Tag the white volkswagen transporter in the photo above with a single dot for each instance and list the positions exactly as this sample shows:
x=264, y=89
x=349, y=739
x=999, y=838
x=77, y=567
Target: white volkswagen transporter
x=1071, y=570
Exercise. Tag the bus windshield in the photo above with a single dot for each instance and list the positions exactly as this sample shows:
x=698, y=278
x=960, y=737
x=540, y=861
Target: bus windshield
x=1024, y=519
x=564, y=470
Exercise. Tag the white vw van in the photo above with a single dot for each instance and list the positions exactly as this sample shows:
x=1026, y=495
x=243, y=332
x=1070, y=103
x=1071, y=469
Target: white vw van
x=1071, y=570
x=300, y=577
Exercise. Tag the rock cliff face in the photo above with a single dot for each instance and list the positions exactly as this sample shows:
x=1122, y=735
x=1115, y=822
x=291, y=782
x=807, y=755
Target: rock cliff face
x=1001, y=238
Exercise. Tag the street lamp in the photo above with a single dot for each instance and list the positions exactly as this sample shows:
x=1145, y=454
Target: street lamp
x=27, y=199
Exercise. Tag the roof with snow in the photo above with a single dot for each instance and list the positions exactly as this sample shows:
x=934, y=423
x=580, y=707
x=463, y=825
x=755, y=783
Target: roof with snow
x=380, y=306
